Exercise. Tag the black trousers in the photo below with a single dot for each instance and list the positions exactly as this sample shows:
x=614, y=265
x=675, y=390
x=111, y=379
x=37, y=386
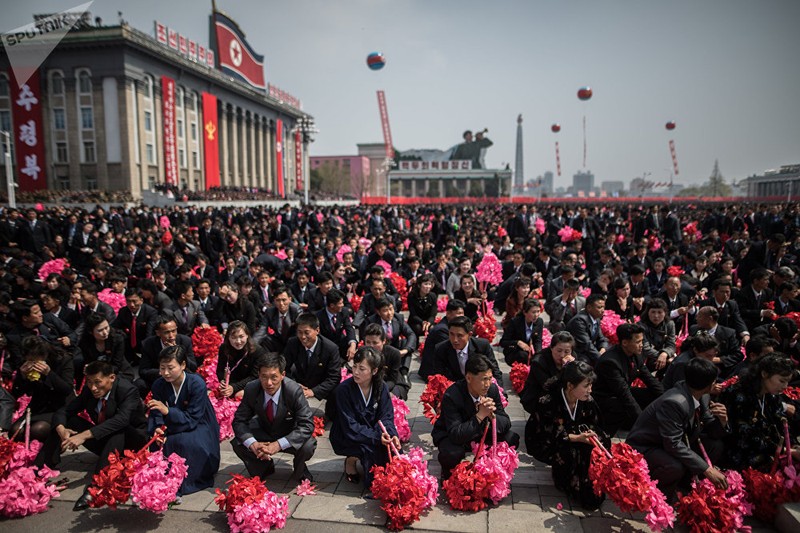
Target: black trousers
x=450, y=453
x=257, y=467
x=670, y=473
x=128, y=439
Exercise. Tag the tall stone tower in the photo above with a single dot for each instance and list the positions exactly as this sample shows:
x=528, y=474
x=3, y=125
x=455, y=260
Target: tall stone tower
x=519, y=176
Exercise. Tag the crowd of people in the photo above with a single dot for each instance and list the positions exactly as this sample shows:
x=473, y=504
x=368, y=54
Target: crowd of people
x=701, y=295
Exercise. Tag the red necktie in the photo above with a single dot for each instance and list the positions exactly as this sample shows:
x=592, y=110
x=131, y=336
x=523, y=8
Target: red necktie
x=133, y=332
x=270, y=413
x=101, y=416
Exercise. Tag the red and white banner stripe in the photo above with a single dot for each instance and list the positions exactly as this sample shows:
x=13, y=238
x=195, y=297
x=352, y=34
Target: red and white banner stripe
x=674, y=157
x=558, y=160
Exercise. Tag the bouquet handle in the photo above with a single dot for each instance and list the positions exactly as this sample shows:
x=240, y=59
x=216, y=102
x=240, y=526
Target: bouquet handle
x=494, y=437
x=391, y=444
x=777, y=459
x=480, y=444
x=704, y=453
x=152, y=441
x=595, y=441
x=787, y=441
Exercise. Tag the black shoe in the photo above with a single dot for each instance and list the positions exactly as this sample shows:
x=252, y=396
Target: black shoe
x=306, y=475
x=83, y=502
x=352, y=478
x=269, y=468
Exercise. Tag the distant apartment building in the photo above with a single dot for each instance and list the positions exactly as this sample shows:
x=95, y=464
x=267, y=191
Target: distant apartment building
x=354, y=169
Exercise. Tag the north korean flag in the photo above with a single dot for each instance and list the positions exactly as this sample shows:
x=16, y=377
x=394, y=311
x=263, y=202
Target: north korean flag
x=235, y=56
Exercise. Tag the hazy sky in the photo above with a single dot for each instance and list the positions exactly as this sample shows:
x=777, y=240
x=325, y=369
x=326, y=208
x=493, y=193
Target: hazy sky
x=727, y=71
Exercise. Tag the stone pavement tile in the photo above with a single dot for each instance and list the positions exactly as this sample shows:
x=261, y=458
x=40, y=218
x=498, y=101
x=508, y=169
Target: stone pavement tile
x=350, y=510
x=610, y=509
x=442, y=518
x=532, y=477
x=551, y=503
x=526, y=497
x=532, y=521
x=597, y=524
x=198, y=501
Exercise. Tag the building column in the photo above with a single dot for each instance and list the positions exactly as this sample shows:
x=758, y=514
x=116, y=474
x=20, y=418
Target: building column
x=245, y=142
x=269, y=161
x=235, y=146
x=223, y=143
x=251, y=127
x=259, y=152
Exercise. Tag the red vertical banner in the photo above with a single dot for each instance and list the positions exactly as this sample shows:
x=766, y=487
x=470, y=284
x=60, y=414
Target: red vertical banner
x=387, y=131
x=210, y=140
x=26, y=105
x=168, y=115
x=279, y=157
x=298, y=160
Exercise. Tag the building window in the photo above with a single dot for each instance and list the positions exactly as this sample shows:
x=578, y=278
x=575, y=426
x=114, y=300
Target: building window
x=180, y=128
x=88, y=152
x=151, y=182
x=63, y=183
x=91, y=183
x=194, y=131
x=5, y=121
x=3, y=86
x=59, y=119
x=148, y=87
x=87, y=119
x=151, y=154
x=84, y=83
x=196, y=160
x=182, y=157
x=148, y=121
x=61, y=152
x=57, y=84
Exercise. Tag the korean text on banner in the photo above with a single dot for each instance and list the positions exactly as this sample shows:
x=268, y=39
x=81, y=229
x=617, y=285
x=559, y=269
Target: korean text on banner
x=298, y=160
x=279, y=156
x=26, y=104
x=168, y=113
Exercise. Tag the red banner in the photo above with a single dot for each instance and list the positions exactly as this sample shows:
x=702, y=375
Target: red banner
x=168, y=108
x=26, y=104
x=235, y=55
x=210, y=140
x=279, y=156
x=387, y=132
x=298, y=160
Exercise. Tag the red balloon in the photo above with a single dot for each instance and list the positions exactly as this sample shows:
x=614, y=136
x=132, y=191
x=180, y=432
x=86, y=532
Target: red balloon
x=584, y=93
x=670, y=125
x=555, y=128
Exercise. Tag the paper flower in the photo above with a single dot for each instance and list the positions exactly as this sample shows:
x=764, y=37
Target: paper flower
x=707, y=508
x=250, y=506
x=490, y=270
x=431, y=397
x=402, y=498
x=609, y=324
x=502, y=392
x=401, y=409
x=498, y=463
x=319, y=426
x=54, y=266
x=155, y=485
x=224, y=408
x=355, y=302
x=343, y=249
x=485, y=327
x=519, y=375
x=547, y=338
x=441, y=304
x=206, y=342
x=691, y=230
x=428, y=482
x=568, y=234
x=401, y=285
x=653, y=243
x=586, y=292
x=793, y=393
x=26, y=491
x=559, y=506
x=794, y=315
x=387, y=269
x=305, y=488
x=22, y=404
x=540, y=226
x=728, y=382
x=345, y=372
x=115, y=299
x=767, y=492
x=675, y=271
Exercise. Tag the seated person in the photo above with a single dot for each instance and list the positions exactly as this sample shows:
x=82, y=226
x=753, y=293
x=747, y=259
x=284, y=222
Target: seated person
x=469, y=294
x=616, y=370
x=236, y=361
x=523, y=336
x=312, y=360
x=117, y=421
x=46, y=376
x=545, y=366
x=514, y=303
x=280, y=319
x=451, y=356
x=166, y=335
x=377, y=290
x=467, y=406
x=137, y=321
x=359, y=403
x=398, y=333
x=437, y=334
x=422, y=307
x=756, y=412
x=666, y=433
x=180, y=400
x=375, y=337
x=659, y=336
x=700, y=345
x=100, y=342
x=336, y=325
x=729, y=357
x=273, y=417
x=560, y=431
x=590, y=343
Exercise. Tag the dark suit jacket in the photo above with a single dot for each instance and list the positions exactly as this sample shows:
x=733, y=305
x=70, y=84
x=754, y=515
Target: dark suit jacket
x=151, y=347
x=445, y=359
x=543, y=368
x=145, y=325
x=458, y=422
x=32, y=240
x=344, y=333
x=729, y=315
x=750, y=309
x=560, y=313
x=293, y=419
x=69, y=316
x=515, y=332
x=212, y=309
x=212, y=244
x=80, y=259
x=668, y=421
x=730, y=350
x=276, y=341
x=321, y=373
x=403, y=337
x=195, y=317
x=124, y=410
x=793, y=306
x=436, y=334
x=615, y=373
x=587, y=348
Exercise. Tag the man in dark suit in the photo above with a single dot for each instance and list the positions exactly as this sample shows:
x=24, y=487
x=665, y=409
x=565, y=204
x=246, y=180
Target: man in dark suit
x=280, y=321
x=398, y=332
x=137, y=321
x=437, y=334
x=678, y=303
x=564, y=306
x=33, y=234
x=166, y=335
x=51, y=303
x=186, y=310
x=210, y=304
x=368, y=306
x=786, y=300
x=380, y=253
x=212, y=242
x=398, y=384
x=590, y=343
x=616, y=370
x=523, y=336
x=672, y=227
x=301, y=288
x=311, y=360
x=729, y=315
x=231, y=272
x=468, y=406
x=513, y=266
x=667, y=432
x=92, y=304
x=450, y=356
x=273, y=416
x=204, y=270
x=81, y=247
x=336, y=325
x=317, y=299
x=117, y=422
x=761, y=254
x=753, y=299
x=729, y=357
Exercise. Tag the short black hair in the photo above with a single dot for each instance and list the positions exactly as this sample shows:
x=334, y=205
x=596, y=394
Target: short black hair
x=98, y=367
x=477, y=364
x=462, y=322
x=455, y=304
x=627, y=331
x=593, y=298
x=700, y=373
x=308, y=319
x=271, y=360
x=334, y=296
x=383, y=303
